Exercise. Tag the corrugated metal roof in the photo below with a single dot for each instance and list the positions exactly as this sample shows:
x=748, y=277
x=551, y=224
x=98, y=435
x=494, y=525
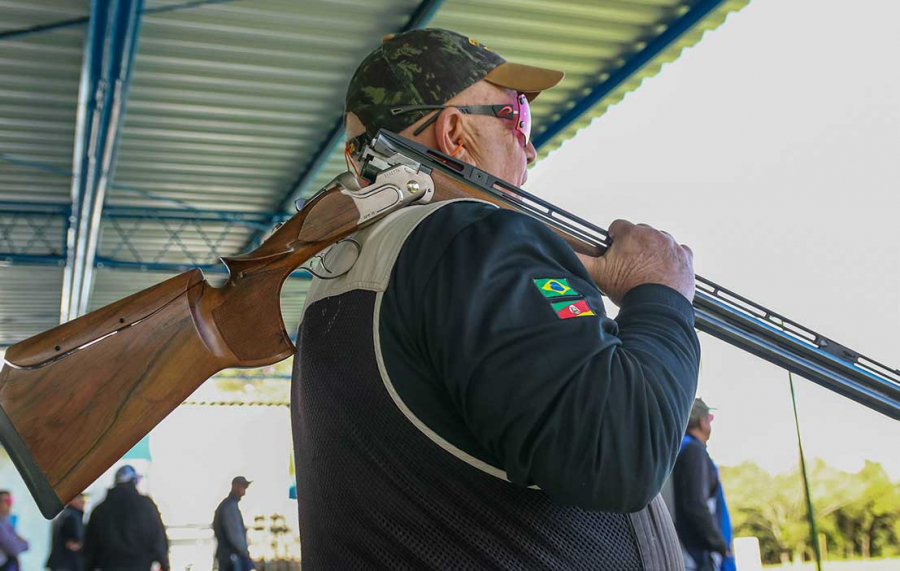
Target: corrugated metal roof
x=29, y=300
x=230, y=101
x=586, y=40
x=39, y=76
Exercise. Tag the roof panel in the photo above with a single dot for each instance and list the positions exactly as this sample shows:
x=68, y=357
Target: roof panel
x=29, y=301
x=39, y=76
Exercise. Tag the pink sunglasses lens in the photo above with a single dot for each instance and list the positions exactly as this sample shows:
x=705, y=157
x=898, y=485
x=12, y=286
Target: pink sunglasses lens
x=524, y=117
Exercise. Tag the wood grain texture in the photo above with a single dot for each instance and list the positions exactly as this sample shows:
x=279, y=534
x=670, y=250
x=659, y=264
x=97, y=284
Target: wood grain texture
x=78, y=408
x=68, y=336
x=80, y=414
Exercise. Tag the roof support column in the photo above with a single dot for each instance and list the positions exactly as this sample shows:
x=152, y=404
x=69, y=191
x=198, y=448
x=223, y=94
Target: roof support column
x=109, y=49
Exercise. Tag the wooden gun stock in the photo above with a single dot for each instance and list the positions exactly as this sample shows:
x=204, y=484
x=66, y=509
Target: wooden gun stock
x=75, y=398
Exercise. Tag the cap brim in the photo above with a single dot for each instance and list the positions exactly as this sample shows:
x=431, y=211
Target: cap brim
x=525, y=79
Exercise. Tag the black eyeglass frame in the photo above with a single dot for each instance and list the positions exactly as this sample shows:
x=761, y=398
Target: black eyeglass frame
x=489, y=110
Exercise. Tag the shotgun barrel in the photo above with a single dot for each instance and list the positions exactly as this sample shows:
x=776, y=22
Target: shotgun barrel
x=719, y=312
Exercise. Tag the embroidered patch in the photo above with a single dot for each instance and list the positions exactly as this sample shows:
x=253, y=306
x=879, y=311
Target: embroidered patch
x=554, y=287
x=570, y=309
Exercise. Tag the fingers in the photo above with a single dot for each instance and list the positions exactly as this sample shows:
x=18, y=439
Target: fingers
x=619, y=228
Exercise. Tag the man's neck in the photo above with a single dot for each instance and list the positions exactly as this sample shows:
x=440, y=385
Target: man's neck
x=698, y=435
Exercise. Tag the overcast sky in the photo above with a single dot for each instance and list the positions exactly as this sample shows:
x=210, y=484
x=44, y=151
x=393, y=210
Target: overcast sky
x=771, y=148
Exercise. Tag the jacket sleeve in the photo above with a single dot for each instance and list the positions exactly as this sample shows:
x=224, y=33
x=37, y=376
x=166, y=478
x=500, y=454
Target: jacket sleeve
x=71, y=529
x=233, y=526
x=92, y=540
x=10, y=543
x=691, y=481
x=588, y=408
x=161, y=540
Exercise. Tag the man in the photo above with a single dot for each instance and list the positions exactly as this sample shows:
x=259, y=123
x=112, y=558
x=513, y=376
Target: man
x=11, y=544
x=460, y=399
x=699, y=502
x=67, y=538
x=125, y=531
x=231, y=535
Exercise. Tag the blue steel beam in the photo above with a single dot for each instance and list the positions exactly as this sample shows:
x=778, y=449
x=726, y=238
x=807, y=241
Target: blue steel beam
x=248, y=218
x=9, y=259
x=673, y=32
x=423, y=14
x=109, y=51
x=177, y=268
x=186, y=209
x=82, y=20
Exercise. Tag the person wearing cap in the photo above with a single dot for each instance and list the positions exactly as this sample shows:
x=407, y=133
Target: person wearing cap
x=125, y=531
x=460, y=400
x=231, y=535
x=67, y=538
x=701, y=515
x=11, y=543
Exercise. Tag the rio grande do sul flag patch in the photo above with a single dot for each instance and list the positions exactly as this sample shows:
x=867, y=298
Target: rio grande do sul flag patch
x=550, y=287
x=570, y=309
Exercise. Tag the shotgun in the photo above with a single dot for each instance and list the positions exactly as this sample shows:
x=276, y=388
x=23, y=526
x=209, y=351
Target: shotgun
x=75, y=398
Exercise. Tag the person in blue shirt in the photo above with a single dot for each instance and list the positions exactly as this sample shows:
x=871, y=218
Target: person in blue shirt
x=701, y=515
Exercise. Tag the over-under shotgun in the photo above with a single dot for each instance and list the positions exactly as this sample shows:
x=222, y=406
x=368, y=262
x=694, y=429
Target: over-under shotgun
x=75, y=398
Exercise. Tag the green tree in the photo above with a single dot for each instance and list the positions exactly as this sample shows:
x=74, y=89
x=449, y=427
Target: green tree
x=859, y=514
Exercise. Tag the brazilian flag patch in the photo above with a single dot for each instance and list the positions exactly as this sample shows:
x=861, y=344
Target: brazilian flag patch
x=554, y=287
x=570, y=309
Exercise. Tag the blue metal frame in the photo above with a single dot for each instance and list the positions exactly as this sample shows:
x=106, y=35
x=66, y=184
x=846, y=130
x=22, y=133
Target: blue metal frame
x=263, y=224
x=81, y=20
x=176, y=268
x=110, y=48
x=26, y=259
x=673, y=32
x=423, y=14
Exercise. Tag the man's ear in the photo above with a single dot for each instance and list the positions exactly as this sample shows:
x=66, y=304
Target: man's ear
x=449, y=131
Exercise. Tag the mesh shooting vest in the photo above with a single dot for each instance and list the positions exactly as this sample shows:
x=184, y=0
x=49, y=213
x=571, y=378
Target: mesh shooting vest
x=377, y=489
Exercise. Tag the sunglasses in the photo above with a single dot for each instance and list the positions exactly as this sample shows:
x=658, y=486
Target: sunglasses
x=519, y=113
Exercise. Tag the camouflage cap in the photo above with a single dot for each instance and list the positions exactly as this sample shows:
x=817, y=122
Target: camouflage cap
x=427, y=67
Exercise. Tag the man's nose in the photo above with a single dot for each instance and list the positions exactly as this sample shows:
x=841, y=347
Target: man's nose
x=530, y=153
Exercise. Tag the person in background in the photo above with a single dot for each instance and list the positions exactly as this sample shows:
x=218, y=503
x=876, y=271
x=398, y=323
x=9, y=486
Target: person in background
x=125, y=531
x=11, y=544
x=701, y=515
x=228, y=525
x=67, y=538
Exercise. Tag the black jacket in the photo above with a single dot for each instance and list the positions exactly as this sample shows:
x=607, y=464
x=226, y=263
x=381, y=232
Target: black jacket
x=228, y=525
x=465, y=357
x=125, y=532
x=68, y=526
x=696, y=483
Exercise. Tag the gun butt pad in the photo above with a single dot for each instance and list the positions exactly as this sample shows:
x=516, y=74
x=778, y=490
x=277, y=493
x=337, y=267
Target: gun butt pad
x=41, y=490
